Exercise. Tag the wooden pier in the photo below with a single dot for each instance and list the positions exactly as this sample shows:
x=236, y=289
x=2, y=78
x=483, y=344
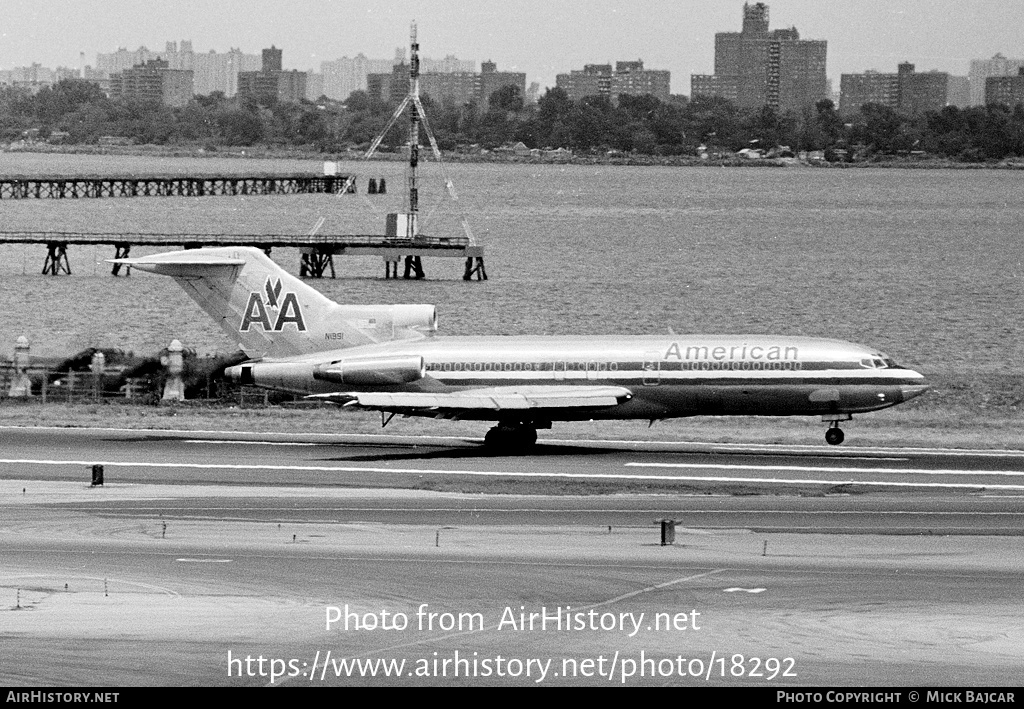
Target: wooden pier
x=102, y=187
x=317, y=252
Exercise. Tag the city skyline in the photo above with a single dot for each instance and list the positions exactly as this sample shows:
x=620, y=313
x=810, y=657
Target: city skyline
x=540, y=39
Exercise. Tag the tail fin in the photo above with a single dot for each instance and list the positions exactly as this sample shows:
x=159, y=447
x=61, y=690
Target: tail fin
x=271, y=313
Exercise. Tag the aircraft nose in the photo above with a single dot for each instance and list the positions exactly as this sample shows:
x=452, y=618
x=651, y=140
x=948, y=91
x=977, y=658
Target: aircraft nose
x=910, y=391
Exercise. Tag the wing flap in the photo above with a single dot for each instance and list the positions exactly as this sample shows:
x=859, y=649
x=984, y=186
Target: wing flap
x=491, y=399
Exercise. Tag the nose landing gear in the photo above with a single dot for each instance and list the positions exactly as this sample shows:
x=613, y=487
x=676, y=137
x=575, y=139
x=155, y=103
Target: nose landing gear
x=834, y=435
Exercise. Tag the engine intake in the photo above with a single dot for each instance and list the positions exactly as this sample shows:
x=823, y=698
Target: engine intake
x=422, y=318
x=380, y=371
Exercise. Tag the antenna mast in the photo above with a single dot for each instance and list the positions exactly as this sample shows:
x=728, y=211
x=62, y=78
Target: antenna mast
x=414, y=131
x=407, y=224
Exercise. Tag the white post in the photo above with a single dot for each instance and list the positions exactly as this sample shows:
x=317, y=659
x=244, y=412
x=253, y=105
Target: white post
x=21, y=385
x=174, y=364
x=97, y=366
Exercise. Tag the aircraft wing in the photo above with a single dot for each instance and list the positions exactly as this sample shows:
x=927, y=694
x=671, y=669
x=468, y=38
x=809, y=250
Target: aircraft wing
x=486, y=399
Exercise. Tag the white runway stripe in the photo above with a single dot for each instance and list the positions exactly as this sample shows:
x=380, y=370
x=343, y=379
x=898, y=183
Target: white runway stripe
x=873, y=483
x=700, y=445
x=823, y=469
x=578, y=476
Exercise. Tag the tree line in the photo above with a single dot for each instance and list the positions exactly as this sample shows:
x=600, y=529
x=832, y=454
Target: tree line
x=78, y=112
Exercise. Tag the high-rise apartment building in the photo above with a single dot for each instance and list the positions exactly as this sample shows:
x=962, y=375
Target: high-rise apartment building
x=219, y=71
x=592, y=80
x=314, y=85
x=123, y=59
x=32, y=78
x=981, y=69
x=343, y=76
x=856, y=90
x=631, y=79
x=920, y=92
x=272, y=59
x=727, y=87
x=907, y=90
x=153, y=81
x=627, y=78
x=533, y=92
x=1005, y=90
x=449, y=65
x=958, y=92
x=393, y=86
x=36, y=77
x=272, y=83
x=457, y=87
x=211, y=71
x=761, y=67
x=491, y=80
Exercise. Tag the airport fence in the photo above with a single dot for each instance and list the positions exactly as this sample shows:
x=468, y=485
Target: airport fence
x=77, y=387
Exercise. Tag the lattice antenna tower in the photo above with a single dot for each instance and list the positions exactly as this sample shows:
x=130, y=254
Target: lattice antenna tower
x=417, y=119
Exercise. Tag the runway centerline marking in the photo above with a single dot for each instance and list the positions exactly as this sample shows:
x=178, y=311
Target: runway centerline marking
x=128, y=512
x=323, y=444
x=825, y=469
x=811, y=481
x=586, y=476
x=310, y=444
x=701, y=445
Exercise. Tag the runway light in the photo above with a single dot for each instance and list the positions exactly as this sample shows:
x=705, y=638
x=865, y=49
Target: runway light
x=668, y=532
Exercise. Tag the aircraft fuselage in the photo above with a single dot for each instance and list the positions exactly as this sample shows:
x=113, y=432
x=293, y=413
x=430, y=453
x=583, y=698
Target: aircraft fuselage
x=671, y=376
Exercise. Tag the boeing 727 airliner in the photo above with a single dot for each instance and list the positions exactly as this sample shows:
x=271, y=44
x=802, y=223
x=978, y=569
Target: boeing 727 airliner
x=386, y=358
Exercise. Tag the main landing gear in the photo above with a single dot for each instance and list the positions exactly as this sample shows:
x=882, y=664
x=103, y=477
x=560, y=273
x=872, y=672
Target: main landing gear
x=834, y=435
x=511, y=437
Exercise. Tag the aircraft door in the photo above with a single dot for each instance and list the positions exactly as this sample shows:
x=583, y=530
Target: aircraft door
x=559, y=371
x=652, y=368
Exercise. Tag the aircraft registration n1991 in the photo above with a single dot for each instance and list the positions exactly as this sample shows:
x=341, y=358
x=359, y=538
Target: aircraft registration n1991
x=385, y=358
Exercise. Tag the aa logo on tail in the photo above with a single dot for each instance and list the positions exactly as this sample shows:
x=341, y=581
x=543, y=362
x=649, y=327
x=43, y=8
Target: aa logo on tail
x=275, y=313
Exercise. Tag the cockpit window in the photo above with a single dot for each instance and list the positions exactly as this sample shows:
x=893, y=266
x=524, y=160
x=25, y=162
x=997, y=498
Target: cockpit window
x=879, y=361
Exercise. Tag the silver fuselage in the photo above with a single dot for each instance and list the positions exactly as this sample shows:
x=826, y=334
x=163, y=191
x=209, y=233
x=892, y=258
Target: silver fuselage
x=668, y=376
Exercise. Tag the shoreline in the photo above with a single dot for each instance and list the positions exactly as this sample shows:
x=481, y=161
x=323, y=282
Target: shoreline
x=268, y=153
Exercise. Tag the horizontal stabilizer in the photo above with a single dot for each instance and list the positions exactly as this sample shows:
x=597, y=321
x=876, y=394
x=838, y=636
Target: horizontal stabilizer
x=490, y=399
x=193, y=262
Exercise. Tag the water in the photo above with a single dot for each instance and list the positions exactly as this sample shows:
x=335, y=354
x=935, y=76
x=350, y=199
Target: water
x=925, y=264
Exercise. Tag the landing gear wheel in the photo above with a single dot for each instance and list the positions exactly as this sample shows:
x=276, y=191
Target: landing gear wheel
x=511, y=439
x=493, y=438
x=527, y=436
x=834, y=436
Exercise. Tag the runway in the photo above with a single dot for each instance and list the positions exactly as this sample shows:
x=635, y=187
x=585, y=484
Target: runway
x=205, y=551
x=382, y=460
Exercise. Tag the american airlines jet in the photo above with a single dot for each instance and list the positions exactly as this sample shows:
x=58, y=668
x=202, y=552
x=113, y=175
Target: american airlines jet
x=386, y=358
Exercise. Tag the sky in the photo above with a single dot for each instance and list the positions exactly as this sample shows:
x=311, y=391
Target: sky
x=539, y=37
